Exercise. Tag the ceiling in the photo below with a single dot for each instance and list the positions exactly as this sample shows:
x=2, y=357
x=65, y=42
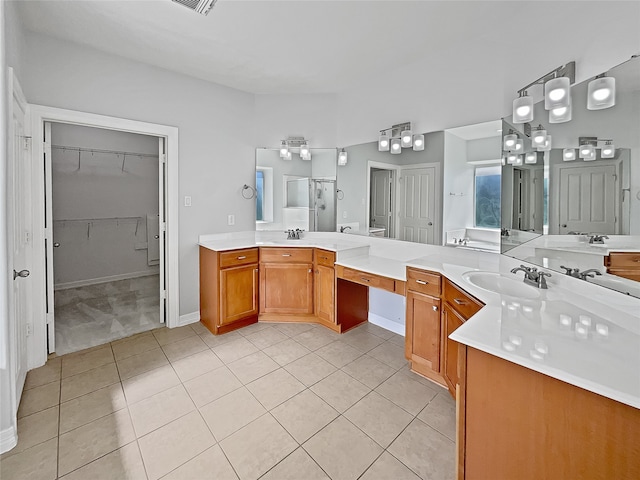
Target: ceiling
x=268, y=46
x=478, y=130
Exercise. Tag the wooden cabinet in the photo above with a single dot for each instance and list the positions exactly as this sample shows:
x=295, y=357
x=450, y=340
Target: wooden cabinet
x=228, y=289
x=623, y=264
x=286, y=281
x=325, y=285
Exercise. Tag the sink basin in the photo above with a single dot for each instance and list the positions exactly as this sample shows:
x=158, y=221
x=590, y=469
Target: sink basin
x=498, y=283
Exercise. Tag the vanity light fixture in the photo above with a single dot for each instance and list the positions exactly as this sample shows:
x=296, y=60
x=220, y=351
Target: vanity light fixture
x=418, y=142
x=288, y=156
x=523, y=108
x=518, y=160
x=557, y=93
x=396, y=146
x=284, y=149
x=342, y=158
x=510, y=140
x=406, y=137
x=560, y=114
x=609, y=150
x=383, y=142
x=305, y=152
x=547, y=145
x=519, y=147
x=538, y=137
x=601, y=93
x=587, y=152
x=512, y=158
x=531, y=158
x=568, y=154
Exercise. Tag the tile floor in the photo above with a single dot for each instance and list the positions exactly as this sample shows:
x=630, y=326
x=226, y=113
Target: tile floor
x=270, y=401
x=97, y=314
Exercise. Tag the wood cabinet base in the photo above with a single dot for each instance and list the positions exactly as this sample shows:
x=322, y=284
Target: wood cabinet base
x=284, y=318
x=222, y=329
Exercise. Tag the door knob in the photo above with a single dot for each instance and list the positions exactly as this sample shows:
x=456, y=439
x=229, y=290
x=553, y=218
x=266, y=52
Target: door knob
x=156, y=236
x=21, y=274
x=430, y=223
x=56, y=245
x=564, y=225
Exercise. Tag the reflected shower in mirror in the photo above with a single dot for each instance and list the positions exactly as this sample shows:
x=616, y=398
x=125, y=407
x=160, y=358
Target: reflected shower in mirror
x=577, y=205
x=296, y=193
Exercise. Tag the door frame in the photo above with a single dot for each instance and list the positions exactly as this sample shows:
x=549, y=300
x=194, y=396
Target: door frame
x=437, y=220
x=37, y=347
x=383, y=166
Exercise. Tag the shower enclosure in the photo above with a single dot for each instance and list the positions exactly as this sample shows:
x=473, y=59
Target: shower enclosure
x=316, y=199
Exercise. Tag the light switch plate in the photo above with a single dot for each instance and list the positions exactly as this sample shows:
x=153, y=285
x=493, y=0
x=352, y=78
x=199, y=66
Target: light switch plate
x=231, y=219
x=187, y=201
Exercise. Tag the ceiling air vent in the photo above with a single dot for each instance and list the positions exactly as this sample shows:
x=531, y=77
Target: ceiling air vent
x=200, y=6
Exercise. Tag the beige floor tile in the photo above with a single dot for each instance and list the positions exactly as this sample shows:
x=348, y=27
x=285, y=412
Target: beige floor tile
x=315, y=338
x=131, y=337
x=392, y=355
x=407, y=393
x=234, y=350
x=266, y=442
x=363, y=341
x=215, y=340
x=267, y=337
x=39, y=398
x=81, y=362
x=376, y=330
x=149, y=383
x=230, y=413
x=286, y=352
x=196, y=365
x=93, y=440
x=209, y=464
x=199, y=328
x=36, y=463
x=297, y=466
x=252, y=367
x=342, y=450
x=441, y=415
x=211, y=386
x=164, y=336
x=340, y=390
x=168, y=447
x=160, y=409
x=338, y=353
x=183, y=348
x=428, y=453
x=275, y=388
x=379, y=418
x=90, y=381
x=397, y=340
x=388, y=467
x=292, y=329
x=143, y=362
x=122, y=464
x=87, y=408
x=304, y=415
x=35, y=429
x=139, y=344
x=310, y=369
x=369, y=371
x=406, y=371
x=254, y=327
x=49, y=372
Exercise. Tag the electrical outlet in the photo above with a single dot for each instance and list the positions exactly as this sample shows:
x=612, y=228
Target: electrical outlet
x=187, y=201
x=231, y=219
x=29, y=329
x=344, y=214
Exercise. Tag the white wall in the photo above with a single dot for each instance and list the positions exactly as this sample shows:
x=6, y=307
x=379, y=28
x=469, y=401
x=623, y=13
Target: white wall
x=458, y=179
x=216, y=143
x=100, y=189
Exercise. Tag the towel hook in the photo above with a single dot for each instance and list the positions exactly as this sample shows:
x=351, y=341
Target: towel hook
x=251, y=193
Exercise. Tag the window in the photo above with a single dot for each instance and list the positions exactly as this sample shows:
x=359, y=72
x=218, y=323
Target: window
x=264, y=195
x=259, y=195
x=487, y=197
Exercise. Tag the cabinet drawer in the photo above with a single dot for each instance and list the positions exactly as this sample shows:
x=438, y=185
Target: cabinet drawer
x=631, y=274
x=623, y=260
x=235, y=258
x=462, y=302
x=423, y=282
x=369, y=279
x=286, y=255
x=325, y=257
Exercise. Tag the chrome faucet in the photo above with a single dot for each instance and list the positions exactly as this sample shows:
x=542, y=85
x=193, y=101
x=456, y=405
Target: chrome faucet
x=532, y=276
x=589, y=274
x=572, y=272
x=293, y=234
x=597, y=239
x=344, y=228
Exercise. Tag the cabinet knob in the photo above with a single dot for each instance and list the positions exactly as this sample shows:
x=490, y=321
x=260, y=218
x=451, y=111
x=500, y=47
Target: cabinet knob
x=435, y=308
x=421, y=282
x=310, y=270
x=242, y=257
x=459, y=301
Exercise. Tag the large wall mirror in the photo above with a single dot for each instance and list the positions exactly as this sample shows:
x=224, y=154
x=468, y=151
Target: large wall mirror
x=555, y=201
x=296, y=193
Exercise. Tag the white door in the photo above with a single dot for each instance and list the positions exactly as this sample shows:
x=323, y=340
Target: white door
x=20, y=233
x=417, y=210
x=161, y=236
x=537, y=200
x=380, y=202
x=588, y=199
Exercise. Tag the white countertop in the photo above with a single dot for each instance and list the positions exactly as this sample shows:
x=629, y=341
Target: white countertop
x=579, y=333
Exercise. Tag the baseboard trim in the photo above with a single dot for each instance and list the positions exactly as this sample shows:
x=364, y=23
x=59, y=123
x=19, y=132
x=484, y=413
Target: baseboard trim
x=188, y=318
x=111, y=278
x=387, y=324
x=8, y=439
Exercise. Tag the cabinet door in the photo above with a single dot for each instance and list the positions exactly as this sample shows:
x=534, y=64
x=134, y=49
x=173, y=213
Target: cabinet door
x=238, y=293
x=325, y=292
x=423, y=330
x=450, y=322
x=286, y=288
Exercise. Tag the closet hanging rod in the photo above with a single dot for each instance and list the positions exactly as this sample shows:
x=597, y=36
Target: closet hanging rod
x=94, y=150
x=103, y=219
